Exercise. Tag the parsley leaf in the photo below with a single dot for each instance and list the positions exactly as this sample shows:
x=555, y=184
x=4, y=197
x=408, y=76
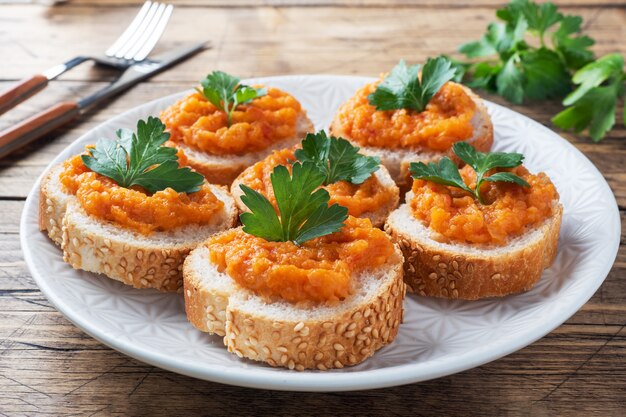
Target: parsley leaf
x=225, y=92
x=445, y=172
x=140, y=159
x=574, y=50
x=403, y=89
x=337, y=158
x=594, y=102
x=303, y=211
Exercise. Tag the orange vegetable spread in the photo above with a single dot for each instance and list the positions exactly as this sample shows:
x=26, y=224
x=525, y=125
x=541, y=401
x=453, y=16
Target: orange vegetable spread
x=134, y=208
x=509, y=208
x=320, y=270
x=196, y=122
x=446, y=120
x=357, y=198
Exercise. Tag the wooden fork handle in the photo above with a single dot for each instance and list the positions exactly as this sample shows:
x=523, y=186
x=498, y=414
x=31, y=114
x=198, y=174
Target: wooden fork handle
x=36, y=126
x=21, y=91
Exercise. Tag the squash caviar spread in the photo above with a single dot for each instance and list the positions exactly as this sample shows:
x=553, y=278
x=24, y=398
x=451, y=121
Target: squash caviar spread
x=264, y=121
x=134, y=208
x=357, y=198
x=320, y=270
x=508, y=210
x=446, y=120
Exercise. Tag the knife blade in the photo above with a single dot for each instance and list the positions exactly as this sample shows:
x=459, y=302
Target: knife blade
x=46, y=121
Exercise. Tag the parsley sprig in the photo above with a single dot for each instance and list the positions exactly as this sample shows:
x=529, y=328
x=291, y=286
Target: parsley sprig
x=140, y=159
x=336, y=158
x=403, y=89
x=445, y=171
x=303, y=211
x=226, y=93
x=504, y=62
x=593, y=104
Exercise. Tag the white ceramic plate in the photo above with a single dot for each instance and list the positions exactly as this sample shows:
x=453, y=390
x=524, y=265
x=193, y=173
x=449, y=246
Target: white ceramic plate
x=438, y=337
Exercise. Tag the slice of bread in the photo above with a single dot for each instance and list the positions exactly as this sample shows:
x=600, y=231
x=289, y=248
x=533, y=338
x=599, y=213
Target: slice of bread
x=397, y=160
x=470, y=272
x=284, y=334
x=95, y=245
x=377, y=217
x=223, y=169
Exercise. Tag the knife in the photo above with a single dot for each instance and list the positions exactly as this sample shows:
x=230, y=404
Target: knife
x=46, y=121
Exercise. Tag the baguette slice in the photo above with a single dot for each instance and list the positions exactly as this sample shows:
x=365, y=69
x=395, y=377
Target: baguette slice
x=223, y=169
x=455, y=270
x=397, y=160
x=143, y=261
x=377, y=217
x=283, y=334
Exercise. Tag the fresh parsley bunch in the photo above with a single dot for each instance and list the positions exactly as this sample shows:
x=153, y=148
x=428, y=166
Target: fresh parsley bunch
x=336, y=158
x=445, y=171
x=303, y=211
x=517, y=70
x=140, y=159
x=225, y=92
x=403, y=89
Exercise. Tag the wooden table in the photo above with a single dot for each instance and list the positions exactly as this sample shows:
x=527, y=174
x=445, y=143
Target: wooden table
x=48, y=366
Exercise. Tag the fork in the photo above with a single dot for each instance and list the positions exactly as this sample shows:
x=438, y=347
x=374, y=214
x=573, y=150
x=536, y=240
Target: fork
x=133, y=46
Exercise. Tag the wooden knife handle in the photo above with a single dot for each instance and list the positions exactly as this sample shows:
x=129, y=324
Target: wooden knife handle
x=21, y=91
x=36, y=126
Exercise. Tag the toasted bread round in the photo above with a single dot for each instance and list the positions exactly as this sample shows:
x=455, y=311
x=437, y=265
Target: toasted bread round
x=223, y=169
x=470, y=272
x=284, y=334
x=397, y=160
x=377, y=217
x=143, y=261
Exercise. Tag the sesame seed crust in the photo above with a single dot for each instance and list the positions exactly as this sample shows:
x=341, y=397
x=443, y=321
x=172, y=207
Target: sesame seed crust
x=430, y=270
x=52, y=206
x=346, y=338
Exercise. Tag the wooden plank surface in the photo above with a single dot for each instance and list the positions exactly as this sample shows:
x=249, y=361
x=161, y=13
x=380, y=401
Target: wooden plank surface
x=49, y=367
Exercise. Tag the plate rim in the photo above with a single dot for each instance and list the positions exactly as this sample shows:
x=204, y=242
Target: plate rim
x=316, y=381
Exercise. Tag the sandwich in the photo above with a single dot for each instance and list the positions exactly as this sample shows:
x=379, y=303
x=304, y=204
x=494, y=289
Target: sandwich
x=406, y=116
x=224, y=127
x=128, y=210
x=303, y=286
x=353, y=180
x=486, y=230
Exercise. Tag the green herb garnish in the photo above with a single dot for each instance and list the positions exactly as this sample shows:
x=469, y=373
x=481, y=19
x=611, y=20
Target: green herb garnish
x=225, y=92
x=520, y=70
x=593, y=103
x=337, y=158
x=140, y=159
x=403, y=89
x=445, y=171
x=304, y=213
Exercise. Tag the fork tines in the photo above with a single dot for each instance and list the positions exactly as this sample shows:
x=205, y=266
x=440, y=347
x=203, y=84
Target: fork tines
x=143, y=33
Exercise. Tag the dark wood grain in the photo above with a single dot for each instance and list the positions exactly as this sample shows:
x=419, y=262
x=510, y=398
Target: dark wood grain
x=49, y=367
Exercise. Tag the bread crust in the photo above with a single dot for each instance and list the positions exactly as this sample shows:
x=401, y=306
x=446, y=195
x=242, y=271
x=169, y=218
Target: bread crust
x=431, y=270
x=377, y=217
x=51, y=206
x=220, y=169
x=397, y=160
x=347, y=338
